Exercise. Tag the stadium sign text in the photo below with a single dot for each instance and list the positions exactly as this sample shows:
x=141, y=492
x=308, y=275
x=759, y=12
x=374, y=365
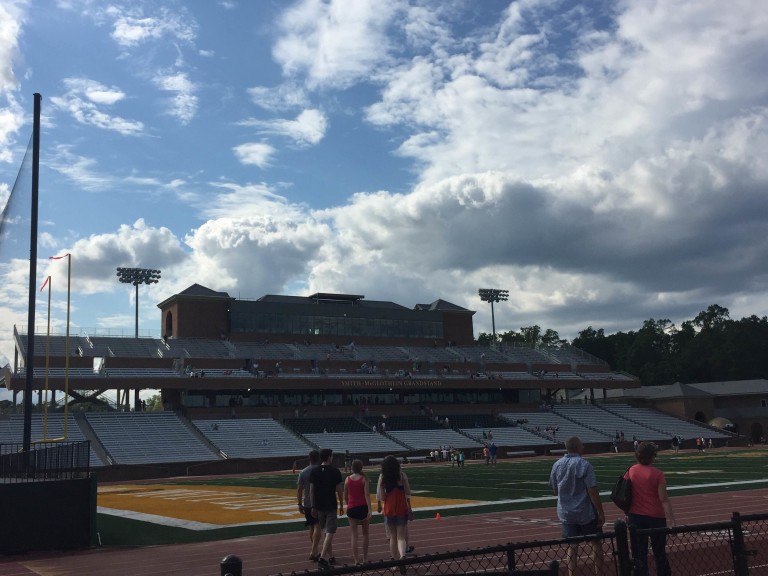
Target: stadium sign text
x=391, y=383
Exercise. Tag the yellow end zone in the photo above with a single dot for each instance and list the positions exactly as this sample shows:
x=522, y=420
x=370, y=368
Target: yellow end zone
x=215, y=506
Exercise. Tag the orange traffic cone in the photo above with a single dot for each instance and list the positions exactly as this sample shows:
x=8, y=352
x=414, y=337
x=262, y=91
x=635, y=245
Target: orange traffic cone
x=437, y=516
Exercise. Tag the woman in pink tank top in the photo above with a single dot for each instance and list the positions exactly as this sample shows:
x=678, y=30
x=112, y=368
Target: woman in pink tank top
x=357, y=496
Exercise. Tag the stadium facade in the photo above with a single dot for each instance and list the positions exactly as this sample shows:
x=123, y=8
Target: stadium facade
x=278, y=354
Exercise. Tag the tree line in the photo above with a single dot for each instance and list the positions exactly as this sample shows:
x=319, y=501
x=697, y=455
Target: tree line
x=709, y=348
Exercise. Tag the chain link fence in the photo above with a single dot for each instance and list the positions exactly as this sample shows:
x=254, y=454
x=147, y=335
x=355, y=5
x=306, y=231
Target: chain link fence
x=738, y=547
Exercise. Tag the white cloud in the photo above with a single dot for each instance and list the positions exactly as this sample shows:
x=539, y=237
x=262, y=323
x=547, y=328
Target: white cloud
x=97, y=256
x=257, y=153
x=308, y=128
x=132, y=27
x=334, y=43
x=286, y=96
x=184, y=103
x=81, y=100
x=80, y=169
x=11, y=18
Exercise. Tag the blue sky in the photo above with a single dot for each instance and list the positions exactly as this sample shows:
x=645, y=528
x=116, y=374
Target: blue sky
x=603, y=161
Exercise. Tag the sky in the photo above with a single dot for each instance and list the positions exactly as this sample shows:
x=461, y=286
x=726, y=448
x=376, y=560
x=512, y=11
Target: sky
x=604, y=161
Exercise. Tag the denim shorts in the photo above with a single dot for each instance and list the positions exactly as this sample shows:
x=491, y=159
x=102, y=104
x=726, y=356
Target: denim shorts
x=570, y=530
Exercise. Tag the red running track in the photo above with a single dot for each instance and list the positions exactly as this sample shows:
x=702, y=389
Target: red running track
x=287, y=553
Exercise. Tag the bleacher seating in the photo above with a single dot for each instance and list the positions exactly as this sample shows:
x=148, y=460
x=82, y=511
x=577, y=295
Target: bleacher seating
x=405, y=423
x=252, y=437
x=539, y=421
x=141, y=373
x=605, y=376
x=53, y=345
x=380, y=353
x=431, y=439
x=118, y=346
x=197, y=348
x=263, y=350
x=306, y=426
x=508, y=436
x=355, y=442
x=58, y=372
x=606, y=422
x=148, y=438
x=45, y=427
x=668, y=425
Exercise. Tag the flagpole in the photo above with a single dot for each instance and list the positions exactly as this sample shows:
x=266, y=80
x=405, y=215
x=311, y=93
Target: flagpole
x=47, y=358
x=68, y=256
x=66, y=348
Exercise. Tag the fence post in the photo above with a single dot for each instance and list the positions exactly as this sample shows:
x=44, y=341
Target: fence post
x=510, y=558
x=740, y=564
x=625, y=563
x=231, y=566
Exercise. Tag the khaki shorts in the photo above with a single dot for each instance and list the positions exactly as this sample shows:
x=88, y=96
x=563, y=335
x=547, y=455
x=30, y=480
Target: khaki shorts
x=327, y=521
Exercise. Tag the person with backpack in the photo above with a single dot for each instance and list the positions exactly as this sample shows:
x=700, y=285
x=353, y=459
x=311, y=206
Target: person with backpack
x=650, y=508
x=579, y=507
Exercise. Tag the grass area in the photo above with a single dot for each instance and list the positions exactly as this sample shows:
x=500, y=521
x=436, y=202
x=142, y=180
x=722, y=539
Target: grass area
x=506, y=486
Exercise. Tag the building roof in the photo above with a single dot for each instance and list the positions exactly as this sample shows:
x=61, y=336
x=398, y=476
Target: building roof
x=198, y=290
x=697, y=390
x=678, y=390
x=442, y=305
x=195, y=291
x=734, y=387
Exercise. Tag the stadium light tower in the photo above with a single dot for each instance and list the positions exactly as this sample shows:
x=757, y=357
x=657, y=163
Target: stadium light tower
x=138, y=276
x=493, y=295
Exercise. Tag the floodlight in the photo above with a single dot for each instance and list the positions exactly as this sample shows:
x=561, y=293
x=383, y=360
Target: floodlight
x=493, y=295
x=138, y=276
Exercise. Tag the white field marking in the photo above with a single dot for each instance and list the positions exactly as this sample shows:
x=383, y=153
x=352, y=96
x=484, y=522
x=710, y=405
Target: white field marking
x=518, y=520
x=690, y=472
x=206, y=526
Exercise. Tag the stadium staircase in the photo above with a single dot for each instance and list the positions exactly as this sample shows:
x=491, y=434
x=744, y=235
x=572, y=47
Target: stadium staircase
x=98, y=448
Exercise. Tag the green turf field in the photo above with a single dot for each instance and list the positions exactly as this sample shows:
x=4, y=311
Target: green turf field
x=510, y=485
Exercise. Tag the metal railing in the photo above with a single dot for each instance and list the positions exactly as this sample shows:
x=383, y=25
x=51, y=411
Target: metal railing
x=738, y=547
x=44, y=461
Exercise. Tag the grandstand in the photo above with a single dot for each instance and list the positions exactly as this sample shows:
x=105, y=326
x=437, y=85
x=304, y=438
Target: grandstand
x=267, y=380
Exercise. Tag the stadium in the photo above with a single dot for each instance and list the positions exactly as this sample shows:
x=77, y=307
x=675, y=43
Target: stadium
x=252, y=385
x=247, y=388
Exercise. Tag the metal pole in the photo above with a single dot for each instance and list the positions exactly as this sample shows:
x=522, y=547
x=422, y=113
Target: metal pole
x=493, y=324
x=137, y=309
x=29, y=361
x=66, y=349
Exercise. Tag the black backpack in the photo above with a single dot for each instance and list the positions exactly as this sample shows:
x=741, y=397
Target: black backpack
x=621, y=495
